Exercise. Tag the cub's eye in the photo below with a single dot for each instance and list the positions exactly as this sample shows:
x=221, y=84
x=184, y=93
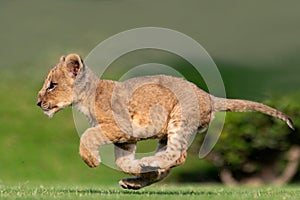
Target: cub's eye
x=51, y=86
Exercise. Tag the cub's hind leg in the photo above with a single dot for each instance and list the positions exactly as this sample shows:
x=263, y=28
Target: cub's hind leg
x=180, y=129
x=125, y=161
x=173, y=154
x=162, y=146
x=148, y=178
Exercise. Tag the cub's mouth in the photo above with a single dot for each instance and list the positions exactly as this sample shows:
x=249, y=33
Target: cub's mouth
x=48, y=109
x=50, y=112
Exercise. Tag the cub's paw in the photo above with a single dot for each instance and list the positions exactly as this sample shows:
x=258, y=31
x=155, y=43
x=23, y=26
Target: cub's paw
x=90, y=159
x=132, y=183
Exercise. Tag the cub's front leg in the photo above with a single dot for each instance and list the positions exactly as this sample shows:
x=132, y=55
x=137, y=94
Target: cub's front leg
x=90, y=141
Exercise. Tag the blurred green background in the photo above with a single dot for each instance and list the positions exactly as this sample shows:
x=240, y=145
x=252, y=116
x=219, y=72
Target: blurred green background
x=255, y=45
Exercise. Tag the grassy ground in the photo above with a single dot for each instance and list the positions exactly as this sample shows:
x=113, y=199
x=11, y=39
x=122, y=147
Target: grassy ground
x=188, y=192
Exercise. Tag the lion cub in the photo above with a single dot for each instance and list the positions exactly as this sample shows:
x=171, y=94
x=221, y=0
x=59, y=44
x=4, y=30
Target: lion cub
x=153, y=107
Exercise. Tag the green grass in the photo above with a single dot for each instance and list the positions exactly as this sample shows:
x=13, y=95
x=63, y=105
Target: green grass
x=182, y=192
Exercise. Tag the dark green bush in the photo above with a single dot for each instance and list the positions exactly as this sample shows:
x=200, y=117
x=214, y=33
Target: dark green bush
x=254, y=144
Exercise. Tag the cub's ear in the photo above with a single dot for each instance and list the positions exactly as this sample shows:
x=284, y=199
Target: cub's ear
x=74, y=64
x=62, y=59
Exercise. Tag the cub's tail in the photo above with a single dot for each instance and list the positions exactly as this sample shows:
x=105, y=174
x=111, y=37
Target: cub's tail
x=236, y=105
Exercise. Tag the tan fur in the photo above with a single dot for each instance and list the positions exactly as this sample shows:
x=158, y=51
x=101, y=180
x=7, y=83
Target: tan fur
x=155, y=107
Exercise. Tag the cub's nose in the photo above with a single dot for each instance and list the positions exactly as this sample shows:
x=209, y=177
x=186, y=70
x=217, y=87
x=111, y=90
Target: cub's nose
x=39, y=103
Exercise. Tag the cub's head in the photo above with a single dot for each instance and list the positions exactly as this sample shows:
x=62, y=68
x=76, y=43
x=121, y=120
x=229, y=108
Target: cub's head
x=58, y=89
